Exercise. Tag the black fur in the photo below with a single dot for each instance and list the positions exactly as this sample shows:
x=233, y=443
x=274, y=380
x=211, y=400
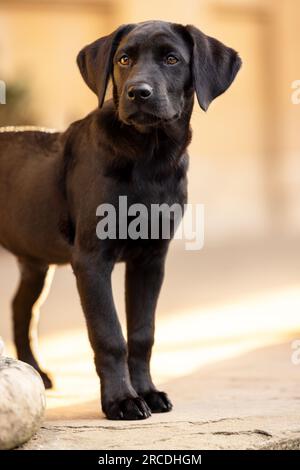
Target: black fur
x=51, y=185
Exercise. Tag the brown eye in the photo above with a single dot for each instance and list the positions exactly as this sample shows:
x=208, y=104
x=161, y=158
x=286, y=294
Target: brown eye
x=124, y=60
x=171, y=60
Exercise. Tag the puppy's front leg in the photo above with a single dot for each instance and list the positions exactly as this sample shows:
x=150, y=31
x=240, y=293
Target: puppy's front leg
x=143, y=283
x=118, y=397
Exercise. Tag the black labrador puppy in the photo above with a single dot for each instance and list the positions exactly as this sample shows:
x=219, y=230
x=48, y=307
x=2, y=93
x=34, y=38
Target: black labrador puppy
x=133, y=145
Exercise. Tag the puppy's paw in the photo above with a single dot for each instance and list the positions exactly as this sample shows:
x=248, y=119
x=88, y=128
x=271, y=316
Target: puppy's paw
x=128, y=409
x=158, y=402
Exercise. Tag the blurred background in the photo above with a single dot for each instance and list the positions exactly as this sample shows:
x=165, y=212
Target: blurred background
x=242, y=291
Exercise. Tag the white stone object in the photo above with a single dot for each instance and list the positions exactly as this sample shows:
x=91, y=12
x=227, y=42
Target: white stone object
x=22, y=402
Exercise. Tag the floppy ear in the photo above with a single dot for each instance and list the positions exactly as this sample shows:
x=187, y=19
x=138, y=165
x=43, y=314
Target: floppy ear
x=214, y=66
x=95, y=61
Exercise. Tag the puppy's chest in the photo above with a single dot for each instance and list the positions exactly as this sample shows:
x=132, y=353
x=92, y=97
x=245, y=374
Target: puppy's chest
x=154, y=193
x=150, y=184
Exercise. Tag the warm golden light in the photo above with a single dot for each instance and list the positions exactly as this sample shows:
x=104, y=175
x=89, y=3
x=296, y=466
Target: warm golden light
x=185, y=342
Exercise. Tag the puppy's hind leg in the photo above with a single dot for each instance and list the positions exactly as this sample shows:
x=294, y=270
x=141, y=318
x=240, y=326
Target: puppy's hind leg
x=35, y=280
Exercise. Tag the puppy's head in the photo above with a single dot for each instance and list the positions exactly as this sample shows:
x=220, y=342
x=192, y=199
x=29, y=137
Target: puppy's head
x=155, y=67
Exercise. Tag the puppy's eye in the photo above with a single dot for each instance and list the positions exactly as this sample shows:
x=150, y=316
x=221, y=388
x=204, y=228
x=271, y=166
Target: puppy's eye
x=124, y=60
x=171, y=60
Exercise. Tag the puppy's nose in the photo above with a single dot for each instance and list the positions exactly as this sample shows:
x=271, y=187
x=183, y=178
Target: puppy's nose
x=139, y=92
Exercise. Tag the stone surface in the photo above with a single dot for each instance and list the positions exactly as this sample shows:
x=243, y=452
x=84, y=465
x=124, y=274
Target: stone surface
x=22, y=402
